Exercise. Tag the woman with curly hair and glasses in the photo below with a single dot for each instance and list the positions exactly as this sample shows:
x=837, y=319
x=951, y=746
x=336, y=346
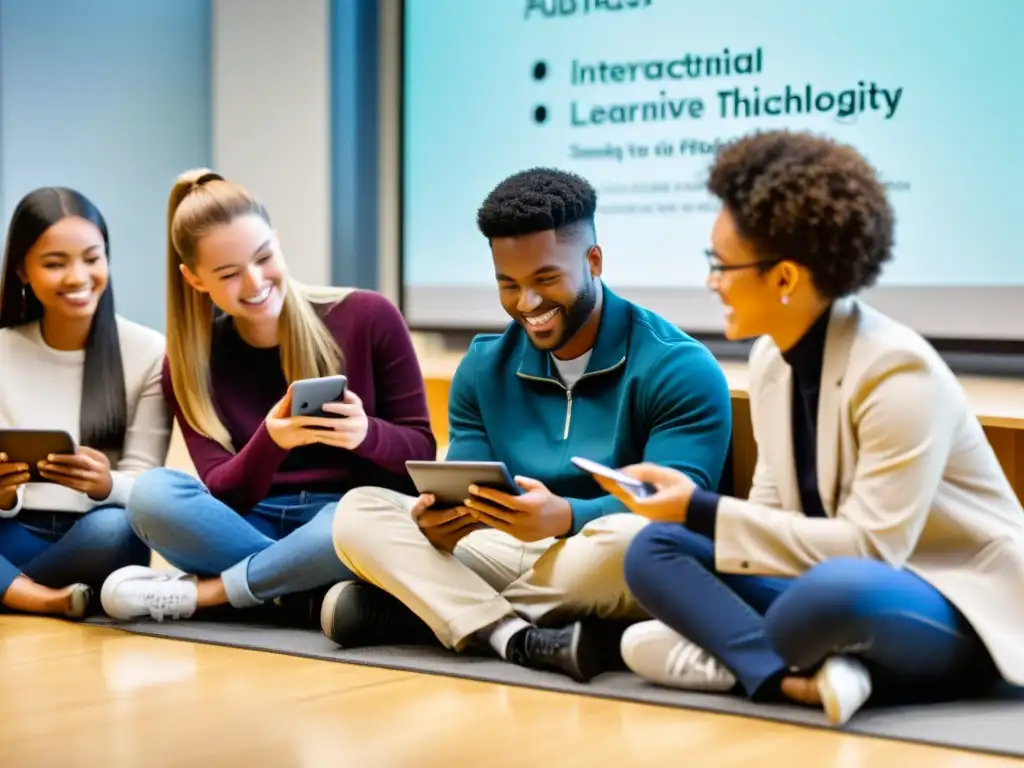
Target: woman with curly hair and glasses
x=880, y=553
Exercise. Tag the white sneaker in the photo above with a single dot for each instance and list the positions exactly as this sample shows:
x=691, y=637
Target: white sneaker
x=136, y=591
x=844, y=685
x=661, y=655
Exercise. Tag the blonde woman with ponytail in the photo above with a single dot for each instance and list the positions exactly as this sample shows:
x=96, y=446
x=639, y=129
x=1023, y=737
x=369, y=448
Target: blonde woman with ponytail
x=256, y=525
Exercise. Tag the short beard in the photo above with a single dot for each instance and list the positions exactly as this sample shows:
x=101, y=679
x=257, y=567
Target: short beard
x=578, y=312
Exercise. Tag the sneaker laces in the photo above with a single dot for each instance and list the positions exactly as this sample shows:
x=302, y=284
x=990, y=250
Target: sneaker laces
x=541, y=643
x=687, y=658
x=168, y=596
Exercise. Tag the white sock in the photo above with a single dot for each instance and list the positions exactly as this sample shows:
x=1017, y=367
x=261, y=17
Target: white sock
x=500, y=633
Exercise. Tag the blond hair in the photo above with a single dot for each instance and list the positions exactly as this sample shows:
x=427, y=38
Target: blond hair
x=200, y=201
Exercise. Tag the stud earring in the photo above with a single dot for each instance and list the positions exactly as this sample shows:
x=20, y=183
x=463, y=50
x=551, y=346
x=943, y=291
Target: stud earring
x=785, y=299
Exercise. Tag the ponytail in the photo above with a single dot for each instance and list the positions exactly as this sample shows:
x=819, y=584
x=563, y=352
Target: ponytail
x=199, y=201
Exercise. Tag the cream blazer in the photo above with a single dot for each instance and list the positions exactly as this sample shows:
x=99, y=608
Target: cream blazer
x=905, y=473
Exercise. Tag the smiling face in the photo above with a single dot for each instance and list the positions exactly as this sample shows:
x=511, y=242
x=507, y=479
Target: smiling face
x=750, y=291
x=240, y=266
x=548, y=286
x=67, y=269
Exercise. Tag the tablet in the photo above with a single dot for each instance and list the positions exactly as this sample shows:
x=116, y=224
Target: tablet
x=30, y=446
x=449, y=481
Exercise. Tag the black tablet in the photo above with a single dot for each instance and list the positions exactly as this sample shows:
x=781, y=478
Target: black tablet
x=30, y=446
x=449, y=481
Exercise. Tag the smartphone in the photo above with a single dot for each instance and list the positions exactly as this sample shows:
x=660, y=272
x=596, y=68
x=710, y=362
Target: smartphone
x=310, y=395
x=631, y=485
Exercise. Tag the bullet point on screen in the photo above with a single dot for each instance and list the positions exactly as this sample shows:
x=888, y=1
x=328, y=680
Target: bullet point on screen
x=540, y=70
x=540, y=114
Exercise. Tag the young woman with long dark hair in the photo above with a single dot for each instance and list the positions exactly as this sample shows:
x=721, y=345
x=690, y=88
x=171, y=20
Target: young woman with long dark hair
x=70, y=363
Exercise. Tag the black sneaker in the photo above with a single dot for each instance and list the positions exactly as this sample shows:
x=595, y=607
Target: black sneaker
x=355, y=614
x=299, y=610
x=577, y=650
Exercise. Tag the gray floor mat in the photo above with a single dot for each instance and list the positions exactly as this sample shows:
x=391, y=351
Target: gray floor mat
x=993, y=725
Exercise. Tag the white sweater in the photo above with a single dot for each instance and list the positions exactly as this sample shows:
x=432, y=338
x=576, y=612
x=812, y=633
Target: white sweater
x=41, y=388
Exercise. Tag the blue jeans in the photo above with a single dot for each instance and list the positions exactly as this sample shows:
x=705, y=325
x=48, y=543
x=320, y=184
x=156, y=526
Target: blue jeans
x=910, y=637
x=282, y=546
x=56, y=549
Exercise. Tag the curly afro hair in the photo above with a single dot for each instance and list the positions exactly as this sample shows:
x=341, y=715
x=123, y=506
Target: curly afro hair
x=537, y=200
x=810, y=200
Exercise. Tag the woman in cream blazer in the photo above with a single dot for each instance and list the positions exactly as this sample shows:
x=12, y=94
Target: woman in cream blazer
x=880, y=553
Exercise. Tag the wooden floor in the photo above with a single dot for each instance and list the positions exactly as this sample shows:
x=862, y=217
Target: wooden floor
x=73, y=695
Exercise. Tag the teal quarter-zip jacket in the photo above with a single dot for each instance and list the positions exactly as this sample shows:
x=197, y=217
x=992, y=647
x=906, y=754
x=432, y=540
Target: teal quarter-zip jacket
x=650, y=393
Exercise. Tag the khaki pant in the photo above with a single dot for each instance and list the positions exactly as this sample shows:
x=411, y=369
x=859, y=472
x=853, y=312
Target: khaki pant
x=490, y=575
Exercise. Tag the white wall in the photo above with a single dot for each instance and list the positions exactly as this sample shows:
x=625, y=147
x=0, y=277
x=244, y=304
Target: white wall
x=271, y=118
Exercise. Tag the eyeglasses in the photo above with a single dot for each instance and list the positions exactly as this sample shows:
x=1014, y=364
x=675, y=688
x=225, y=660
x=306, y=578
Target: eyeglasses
x=716, y=267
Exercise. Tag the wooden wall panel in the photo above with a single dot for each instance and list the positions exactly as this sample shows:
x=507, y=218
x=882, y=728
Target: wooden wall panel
x=1008, y=444
x=744, y=449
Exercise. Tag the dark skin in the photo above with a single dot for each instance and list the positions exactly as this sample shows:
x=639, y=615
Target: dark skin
x=536, y=273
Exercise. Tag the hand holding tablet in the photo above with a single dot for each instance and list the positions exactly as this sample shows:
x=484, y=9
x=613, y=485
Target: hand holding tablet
x=51, y=456
x=449, y=481
x=86, y=471
x=444, y=527
x=28, y=447
x=521, y=507
x=13, y=475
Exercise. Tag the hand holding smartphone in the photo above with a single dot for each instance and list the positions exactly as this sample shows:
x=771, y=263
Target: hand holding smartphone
x=634, y=487
x=299, y=417
x=310, y=395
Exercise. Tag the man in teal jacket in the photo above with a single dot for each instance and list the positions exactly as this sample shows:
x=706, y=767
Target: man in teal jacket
x=580, y=372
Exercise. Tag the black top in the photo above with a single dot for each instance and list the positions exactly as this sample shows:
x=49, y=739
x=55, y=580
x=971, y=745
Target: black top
x=805, y=359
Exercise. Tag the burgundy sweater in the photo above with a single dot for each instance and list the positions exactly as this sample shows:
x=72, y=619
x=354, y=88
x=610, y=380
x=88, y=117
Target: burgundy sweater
x=382, y=370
